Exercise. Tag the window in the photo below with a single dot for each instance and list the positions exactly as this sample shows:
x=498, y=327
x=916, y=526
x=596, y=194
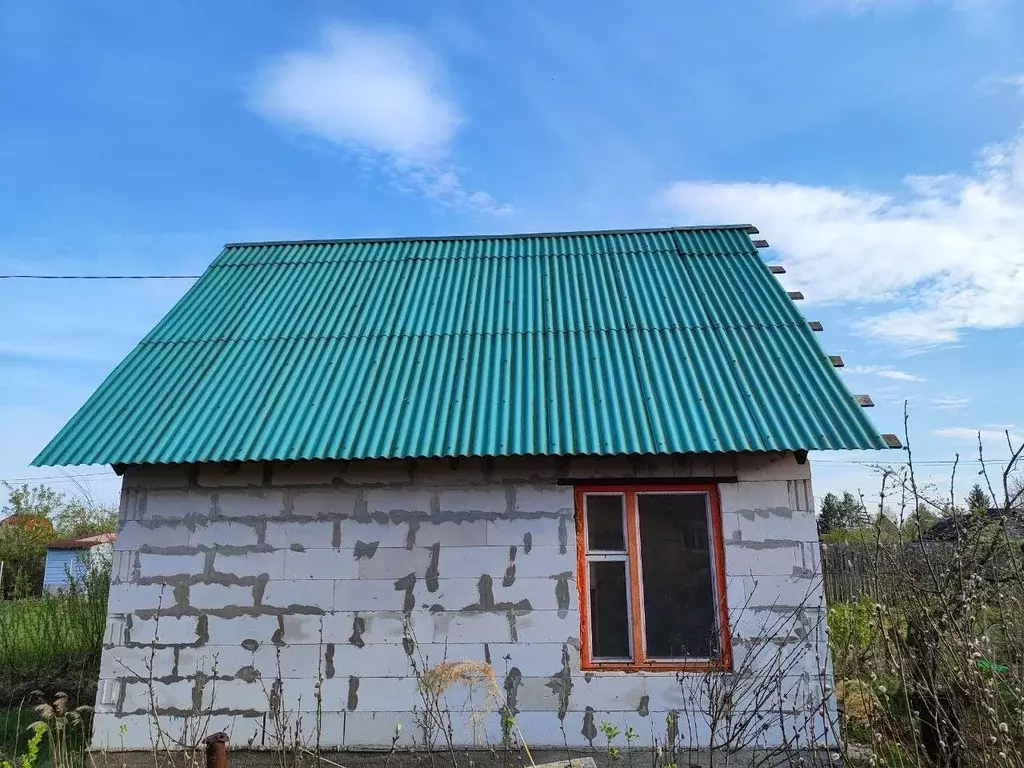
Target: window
x=651, y=578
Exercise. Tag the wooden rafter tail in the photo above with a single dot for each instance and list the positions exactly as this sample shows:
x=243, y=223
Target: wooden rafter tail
x=837, y=361
x=864, y=401
x=816, y=326
x=760, y=243
x=752, y=230
x=795, y=295
x=892, y=441
x=776, y=269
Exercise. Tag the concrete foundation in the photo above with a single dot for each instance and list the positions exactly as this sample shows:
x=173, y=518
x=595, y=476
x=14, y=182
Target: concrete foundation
x=267, y=600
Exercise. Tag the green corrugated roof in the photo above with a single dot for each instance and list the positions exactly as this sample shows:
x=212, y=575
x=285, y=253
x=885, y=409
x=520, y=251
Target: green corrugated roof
x=625, y=342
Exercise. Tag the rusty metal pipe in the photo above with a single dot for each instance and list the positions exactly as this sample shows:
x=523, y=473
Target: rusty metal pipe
x=216, y=750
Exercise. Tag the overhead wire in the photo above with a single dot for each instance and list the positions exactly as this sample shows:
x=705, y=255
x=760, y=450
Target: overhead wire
x=99, y=277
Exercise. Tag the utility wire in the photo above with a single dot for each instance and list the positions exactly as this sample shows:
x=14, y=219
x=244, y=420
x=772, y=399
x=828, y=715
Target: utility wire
x=54, y=477
x=99, y=277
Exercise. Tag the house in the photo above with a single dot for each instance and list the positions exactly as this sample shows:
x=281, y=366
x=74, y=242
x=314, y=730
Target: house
x=578, y=457
x=68, y=559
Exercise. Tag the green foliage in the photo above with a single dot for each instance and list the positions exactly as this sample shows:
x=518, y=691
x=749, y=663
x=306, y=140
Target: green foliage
x=841, y=514
x=53, y=642
x=851, y=635
x=72, y=517
x=32, y=749
x=977, y=500
x=919, y=523
x=23, y=546
x=611, y=733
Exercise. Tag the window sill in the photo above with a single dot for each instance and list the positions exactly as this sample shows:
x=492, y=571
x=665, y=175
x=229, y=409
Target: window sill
x=715, y=665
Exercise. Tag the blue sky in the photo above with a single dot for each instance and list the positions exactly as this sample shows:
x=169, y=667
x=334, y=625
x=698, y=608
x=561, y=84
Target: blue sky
x=878, y=145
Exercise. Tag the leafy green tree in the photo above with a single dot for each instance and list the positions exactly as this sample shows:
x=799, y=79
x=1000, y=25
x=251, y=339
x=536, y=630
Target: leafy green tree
x=35, y=516
x=841, y=514
x=977, y=500
x=920, y=522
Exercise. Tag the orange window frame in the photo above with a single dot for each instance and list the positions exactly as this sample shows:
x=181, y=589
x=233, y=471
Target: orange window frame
x=640, y=662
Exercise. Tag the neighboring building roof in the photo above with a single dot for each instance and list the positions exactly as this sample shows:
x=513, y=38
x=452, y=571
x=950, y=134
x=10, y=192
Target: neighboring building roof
x=85, y=542
x=625, y=342
x=947, y=528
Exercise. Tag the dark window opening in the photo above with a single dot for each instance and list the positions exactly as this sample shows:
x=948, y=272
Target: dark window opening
x=604, y=523
x=679, y=593
x=609, y=612
x=652, y=569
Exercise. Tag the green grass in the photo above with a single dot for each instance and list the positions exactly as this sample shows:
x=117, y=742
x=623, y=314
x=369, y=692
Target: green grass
x=50, y=644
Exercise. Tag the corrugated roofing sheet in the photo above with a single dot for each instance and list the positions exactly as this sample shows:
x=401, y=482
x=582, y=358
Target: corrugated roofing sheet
x=655, y=341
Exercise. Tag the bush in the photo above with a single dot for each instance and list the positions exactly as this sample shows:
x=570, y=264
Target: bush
x=851, y=636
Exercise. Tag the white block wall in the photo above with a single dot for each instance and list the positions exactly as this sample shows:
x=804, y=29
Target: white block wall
x=238, y=591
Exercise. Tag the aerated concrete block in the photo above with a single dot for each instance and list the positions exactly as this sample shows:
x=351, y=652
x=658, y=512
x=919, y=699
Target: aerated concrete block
x=230, y=475
x=395, y=501
x=129, y=598
x=323, y=502
x=270, y=564
x=461, y=533
x=440, y=472
x=541, y=531
x=175, y=505
x=234, y=631
x=168, y=630
x=289, y=593
x=156, y=566
x=134, y=535
x=206, y=596
x=137, y=662
x=224, y=533
x=252, y=504
x=482, y=501
x=295, y=535
x=543, y=498
x=369, y=595
x=321, y=564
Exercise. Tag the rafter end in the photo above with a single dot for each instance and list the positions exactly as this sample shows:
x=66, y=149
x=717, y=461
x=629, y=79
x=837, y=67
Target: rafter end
x=891, y=441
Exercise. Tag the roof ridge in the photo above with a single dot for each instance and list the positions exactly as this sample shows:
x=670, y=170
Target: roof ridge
x=749, y=228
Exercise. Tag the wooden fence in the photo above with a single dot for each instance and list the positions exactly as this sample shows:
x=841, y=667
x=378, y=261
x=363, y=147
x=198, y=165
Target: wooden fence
x=853, y=570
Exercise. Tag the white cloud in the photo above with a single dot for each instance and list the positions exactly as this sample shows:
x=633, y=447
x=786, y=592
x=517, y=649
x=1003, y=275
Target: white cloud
x=945, y=257
x=379, y=93
x=988, y=435
x=885, y=373
x=950, y=403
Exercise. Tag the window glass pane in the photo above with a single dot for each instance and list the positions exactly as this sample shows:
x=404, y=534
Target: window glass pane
x=604, y=523
x=609, y=611
x=679, y=603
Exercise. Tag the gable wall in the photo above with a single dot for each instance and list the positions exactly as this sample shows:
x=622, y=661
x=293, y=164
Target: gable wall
x=237, y=589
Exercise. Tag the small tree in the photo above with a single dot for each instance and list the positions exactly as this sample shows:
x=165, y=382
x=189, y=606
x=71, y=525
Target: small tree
x=977, y=500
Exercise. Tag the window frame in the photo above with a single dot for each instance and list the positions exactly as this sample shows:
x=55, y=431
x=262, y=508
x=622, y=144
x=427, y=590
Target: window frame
x=634, y=579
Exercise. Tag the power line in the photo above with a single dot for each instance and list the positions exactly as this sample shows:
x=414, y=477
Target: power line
x=69, y=477
x=99, y=277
